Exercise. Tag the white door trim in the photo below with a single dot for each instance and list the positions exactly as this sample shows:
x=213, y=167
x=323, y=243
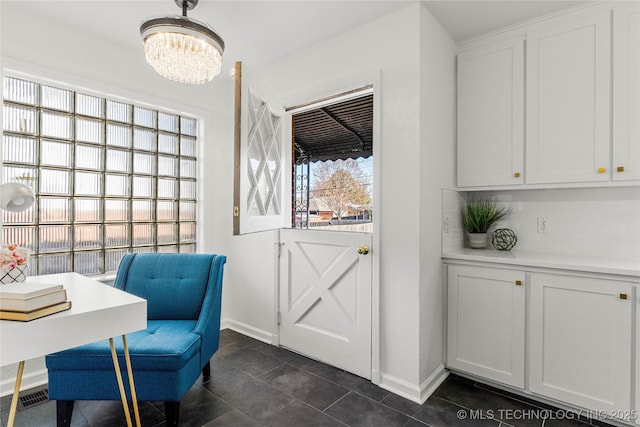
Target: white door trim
x=318, y=90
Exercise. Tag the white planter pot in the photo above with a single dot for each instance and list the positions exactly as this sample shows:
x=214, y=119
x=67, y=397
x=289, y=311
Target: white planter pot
x=16, y=274
x=477, y=240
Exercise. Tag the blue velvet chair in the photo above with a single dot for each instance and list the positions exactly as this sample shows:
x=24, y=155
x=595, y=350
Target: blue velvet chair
x=183, y=293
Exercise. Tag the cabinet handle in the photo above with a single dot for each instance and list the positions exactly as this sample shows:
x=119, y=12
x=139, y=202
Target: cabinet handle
x=518, y=282
x=623, y=296
x=620, y=169
x=602, y=170
x=516, y=175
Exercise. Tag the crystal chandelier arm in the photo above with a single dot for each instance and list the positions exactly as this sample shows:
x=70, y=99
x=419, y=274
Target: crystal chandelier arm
x=186, y=5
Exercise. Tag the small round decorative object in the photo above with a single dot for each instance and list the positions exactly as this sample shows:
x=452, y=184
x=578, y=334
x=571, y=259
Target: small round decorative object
x=503, y=239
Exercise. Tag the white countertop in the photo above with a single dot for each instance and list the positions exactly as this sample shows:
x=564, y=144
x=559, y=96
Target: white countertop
x=547, y=260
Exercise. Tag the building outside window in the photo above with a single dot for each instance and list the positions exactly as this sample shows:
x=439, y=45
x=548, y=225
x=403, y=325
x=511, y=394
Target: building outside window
x=110, y=177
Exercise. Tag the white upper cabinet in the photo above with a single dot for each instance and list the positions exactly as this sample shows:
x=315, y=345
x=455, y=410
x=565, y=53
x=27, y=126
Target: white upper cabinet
x=491, y=114
x=626, y=92
x=568, y=101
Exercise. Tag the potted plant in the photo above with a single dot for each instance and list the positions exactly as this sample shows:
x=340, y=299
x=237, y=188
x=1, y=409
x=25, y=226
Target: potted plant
x=478, y=217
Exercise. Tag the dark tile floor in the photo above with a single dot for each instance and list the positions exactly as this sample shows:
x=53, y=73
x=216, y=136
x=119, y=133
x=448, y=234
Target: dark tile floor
x=255, y=384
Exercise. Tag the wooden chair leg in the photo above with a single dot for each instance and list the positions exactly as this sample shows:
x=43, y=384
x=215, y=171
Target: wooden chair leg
x=171, y=413
x=206, y=371
x=64, y=410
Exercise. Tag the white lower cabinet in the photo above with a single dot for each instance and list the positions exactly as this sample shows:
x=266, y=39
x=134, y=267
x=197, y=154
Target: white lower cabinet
x=580, y=342
x=486, y=321
x=558, y=335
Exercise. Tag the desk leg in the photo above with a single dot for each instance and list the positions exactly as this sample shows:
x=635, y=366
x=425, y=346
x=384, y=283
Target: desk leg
x=134, y=399
x=16, y=394
x=123, y=395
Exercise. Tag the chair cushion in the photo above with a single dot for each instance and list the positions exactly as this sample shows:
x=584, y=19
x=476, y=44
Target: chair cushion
x=163, y=346
x=173, y=285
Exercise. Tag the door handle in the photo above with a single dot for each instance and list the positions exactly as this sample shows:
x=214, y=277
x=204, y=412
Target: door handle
x=363, y=249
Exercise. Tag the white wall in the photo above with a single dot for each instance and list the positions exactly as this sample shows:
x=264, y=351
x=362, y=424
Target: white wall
x=598, y=222
x=414, y=158
x=437, y=153
x=388, y=48
x=387, y=51
x=590, y=222
x=453, y=203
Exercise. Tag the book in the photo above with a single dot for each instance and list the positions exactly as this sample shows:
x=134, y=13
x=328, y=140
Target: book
x=25, y=316
x=33, y=303
x=27, y=289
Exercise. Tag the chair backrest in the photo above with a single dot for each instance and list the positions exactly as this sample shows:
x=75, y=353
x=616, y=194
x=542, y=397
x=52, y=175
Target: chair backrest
x=174, y=285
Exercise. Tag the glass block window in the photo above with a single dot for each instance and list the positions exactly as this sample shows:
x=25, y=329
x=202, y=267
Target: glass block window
x=110, y=177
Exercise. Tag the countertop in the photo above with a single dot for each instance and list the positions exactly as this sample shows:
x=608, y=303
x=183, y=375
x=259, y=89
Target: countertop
x=547, y=260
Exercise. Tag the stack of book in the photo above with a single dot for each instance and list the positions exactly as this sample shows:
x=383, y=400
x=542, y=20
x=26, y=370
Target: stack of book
x=29, y=300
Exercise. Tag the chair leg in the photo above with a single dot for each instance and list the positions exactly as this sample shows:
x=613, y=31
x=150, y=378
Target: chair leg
x=171, y=413
x=64, y=410
x=206, y=371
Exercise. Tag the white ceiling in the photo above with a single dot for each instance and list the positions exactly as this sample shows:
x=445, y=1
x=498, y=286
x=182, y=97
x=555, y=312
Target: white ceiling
x=466, y=19
x=259, y=31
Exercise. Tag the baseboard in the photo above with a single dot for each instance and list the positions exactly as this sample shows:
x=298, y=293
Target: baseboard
x=416, y=393
x=400, y=387
x=250, y=331
x=434, y=380
x=29, y=380
x=375, y=377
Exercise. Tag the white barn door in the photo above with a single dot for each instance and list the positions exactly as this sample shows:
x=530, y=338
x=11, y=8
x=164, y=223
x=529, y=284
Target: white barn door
x=325, y=297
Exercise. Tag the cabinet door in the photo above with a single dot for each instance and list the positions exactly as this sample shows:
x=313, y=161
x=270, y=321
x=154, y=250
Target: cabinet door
x=491, y=115
x=626, y=92
x=568, y=105
x=580, y=344
x=486, y=323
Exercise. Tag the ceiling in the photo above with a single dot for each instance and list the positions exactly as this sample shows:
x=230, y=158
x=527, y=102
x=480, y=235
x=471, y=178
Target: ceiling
x=260, y=31
x=467, y=19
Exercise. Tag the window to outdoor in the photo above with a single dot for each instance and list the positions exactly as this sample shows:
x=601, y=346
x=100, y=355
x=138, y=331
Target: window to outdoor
x=110, y=177
x=333, y=164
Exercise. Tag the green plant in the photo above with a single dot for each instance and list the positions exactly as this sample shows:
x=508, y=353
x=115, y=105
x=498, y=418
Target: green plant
x=480, y=215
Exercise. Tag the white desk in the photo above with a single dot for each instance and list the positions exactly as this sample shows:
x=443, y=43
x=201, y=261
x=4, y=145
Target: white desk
x=98, y=311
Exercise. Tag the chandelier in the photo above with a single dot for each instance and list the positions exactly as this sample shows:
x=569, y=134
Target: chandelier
x=182, y=49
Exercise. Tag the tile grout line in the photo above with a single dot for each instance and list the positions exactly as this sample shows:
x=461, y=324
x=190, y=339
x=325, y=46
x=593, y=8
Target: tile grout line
x=343, y=397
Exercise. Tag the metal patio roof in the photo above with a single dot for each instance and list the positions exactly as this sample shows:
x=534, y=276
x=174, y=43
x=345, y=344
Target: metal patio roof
x=333, y=132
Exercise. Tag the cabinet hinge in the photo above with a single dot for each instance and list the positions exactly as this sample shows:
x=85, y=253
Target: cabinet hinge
x=279, y=246
x=623, y=296
x=279, y=318
x=236, y=211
